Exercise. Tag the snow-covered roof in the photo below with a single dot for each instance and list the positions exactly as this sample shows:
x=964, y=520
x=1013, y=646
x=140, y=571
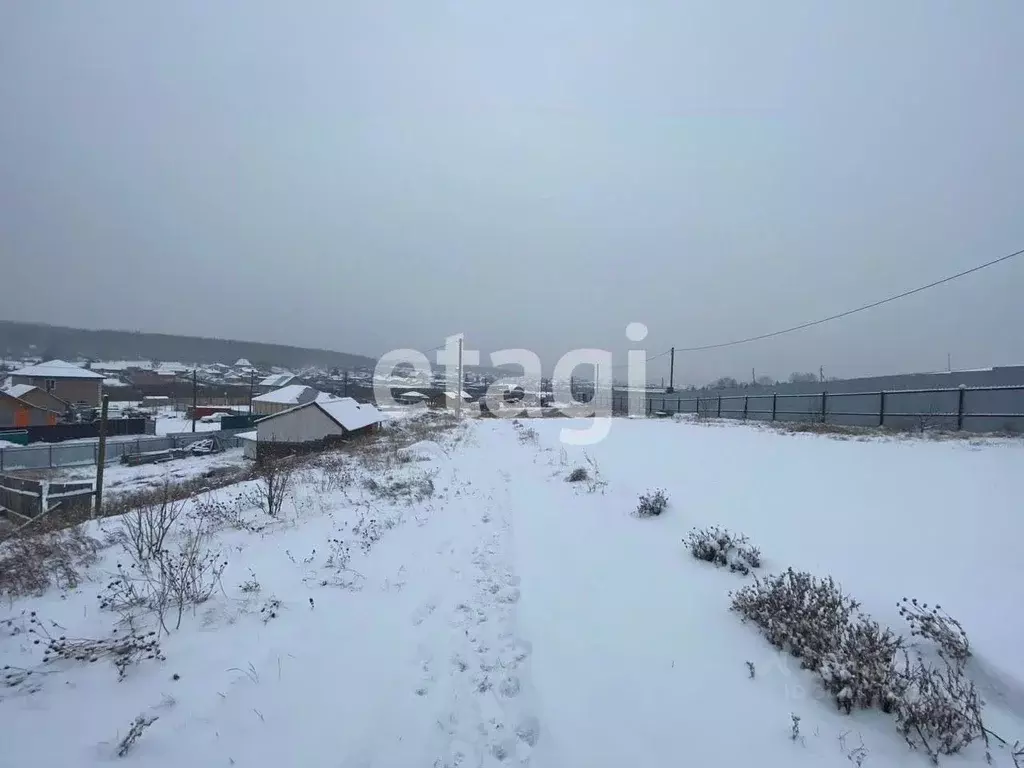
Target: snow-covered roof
x=343, y=411
x=18, y=390
x=414, y=394
x=452, y=395
x=289, y=395
x=113, y=383
x=277, y=380
x=242, y=362
x=350, y=414
x=326, y=397
x=248, y=435
x=121, y=365
x=57, y=369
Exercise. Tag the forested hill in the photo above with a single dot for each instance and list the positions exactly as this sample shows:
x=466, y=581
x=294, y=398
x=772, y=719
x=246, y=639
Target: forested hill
x=50, y=341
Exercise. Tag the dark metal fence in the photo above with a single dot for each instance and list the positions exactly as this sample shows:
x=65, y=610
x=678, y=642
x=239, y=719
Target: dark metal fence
x=57, y=433
x=974, y=409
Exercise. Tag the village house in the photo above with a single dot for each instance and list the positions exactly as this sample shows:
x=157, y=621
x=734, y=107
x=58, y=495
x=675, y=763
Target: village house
x=17, y=412
x=276, y=381
x=282, y=399
x=37, y=397
x=71, y=383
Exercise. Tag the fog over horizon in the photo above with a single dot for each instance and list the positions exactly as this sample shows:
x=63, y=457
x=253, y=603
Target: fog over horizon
x=365, y=176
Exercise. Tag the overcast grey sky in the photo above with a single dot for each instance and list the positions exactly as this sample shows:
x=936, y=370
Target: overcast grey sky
x=369, y=175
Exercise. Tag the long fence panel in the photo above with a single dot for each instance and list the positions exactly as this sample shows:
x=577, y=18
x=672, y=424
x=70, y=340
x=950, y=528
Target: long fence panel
x=83, y=453
x=975, y=409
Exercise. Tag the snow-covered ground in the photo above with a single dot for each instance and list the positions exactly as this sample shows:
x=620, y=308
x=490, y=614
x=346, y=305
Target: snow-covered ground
x=511, y=618
x=118, y=478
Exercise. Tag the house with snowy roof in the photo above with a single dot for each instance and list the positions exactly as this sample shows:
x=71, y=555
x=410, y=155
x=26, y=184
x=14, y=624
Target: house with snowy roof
x=67, y=381
x=276, y=381
x=282, y=399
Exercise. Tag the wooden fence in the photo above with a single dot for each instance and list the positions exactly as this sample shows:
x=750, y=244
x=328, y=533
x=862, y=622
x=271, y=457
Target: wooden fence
x=28, y=499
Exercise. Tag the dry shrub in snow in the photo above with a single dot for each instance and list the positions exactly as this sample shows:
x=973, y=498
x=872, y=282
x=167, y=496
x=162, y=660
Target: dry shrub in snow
x=141, y=723
x=410, y=489
x=651, y=504
x=32, y=561
x=939, y=627
x=274, y=481
x=937, y=707
x=122, y=649
x=217, y=513
x=526, y=434
x=144, y=529
x=578, y=475
x=816, y=622
x=724, y=549
x=167, y=579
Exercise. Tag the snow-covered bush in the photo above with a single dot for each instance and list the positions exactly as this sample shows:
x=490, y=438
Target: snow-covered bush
x=122, y=649
x=275, y=478
x=578, y=475
x=939, y=627
x=145, y=528
x=166, y=579
x=409, y=489
x=859, y=673
x=217, y=513
x=863, y=664
x=797, y=613
x=651, y=504
x=32, y=561
x=723, y=548
x=527, y=434
x=816, y=622
x=938, y=708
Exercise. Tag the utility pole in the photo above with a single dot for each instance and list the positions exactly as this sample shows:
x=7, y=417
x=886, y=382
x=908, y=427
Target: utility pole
x=672, y=372
x=753, y=376
x=101, y=456
x=195, y=400
x=458, y=394
x=949, y=362
x=345, y=383
x=252, y=386
x=821, y=372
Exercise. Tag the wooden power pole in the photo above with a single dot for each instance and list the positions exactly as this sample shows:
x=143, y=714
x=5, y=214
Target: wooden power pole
x=101, y=456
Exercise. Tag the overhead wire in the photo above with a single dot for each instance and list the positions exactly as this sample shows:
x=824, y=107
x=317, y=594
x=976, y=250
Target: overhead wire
x=838, y=315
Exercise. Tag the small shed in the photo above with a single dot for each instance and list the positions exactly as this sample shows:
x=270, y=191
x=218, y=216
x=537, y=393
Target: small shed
x=411, y=397
x=249, y=444
x=315, y=425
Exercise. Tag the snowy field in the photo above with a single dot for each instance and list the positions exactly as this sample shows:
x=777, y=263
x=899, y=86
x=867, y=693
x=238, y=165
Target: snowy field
x=460, y=604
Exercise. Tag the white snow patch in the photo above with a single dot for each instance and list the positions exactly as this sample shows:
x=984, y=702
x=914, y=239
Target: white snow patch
x=511, y=618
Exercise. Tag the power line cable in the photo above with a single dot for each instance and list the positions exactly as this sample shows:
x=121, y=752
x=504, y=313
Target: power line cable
x=839, y=315
x=849, y=312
